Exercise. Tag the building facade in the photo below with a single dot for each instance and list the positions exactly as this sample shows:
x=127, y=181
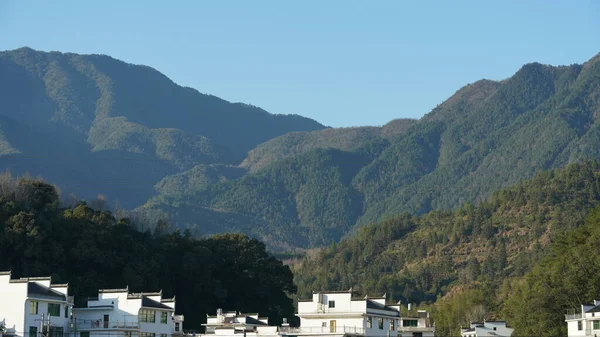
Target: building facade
x=33, y=307
x=585, y=322
x=118, y=313
x=494, y=328
x=337, y=313
x=232, y=324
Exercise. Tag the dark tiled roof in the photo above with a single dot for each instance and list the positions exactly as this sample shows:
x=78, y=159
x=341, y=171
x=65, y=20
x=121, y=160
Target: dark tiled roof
x=254, y=321
x=150, y=303
x=594, y=309
x=37, y=290
x=379, y=306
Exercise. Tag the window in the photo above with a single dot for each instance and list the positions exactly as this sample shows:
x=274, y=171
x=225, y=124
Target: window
x=177, y=327
x=127, y=333
x=392, y=324
x=324, y=324
x=54, y=309
x=33, y=331
x=409, y=322
x=66, y=311
x=332, y=304
x=380, y=323
x=56, y=331
x=596, y=325
x=163, y=317
x=33, y=307
x=369, y=322
x=579, y=325
x=147, y=334
x=147, y=316
x=84, y=334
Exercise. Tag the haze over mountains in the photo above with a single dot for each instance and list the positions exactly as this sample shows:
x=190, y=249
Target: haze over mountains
x=93, y=124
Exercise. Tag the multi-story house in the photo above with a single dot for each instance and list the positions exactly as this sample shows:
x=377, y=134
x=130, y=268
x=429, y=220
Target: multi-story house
x=492, y=328
x=33, y=307
x=585, y=322
x=231, y=323
x=118, y=313
x=337, y=313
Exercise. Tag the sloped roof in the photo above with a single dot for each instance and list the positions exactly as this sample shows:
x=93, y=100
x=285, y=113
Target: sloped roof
x=150, y=303
x=35, y=289
x=594, y=309
x=379, y=306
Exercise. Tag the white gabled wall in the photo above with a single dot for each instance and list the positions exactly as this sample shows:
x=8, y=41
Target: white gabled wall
x=17, y=315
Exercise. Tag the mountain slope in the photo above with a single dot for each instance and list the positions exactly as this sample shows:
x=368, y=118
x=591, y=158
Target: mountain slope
x=424, y=258
x=124, y=113
x=487, y=136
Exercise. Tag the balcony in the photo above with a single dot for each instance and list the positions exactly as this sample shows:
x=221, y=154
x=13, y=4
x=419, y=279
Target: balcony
x=573, y=316
x=415, y=328
x=103, y=325
x=323, y=330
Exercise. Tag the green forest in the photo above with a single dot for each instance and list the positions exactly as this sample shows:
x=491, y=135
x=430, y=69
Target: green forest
x=91, y=249
x=497, y=259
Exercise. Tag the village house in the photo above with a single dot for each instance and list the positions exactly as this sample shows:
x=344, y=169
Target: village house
x=232, y=323
x=118, y=313
x=586, y=322
x=337, y=313
x=33, y=307
x=492, y=328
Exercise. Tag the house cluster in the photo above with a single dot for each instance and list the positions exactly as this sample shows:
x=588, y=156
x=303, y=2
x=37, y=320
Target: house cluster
x=330, y=314
x=39, y=308
x=34, y=307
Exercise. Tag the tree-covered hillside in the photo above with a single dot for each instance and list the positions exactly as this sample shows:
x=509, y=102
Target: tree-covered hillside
x=474, y=255
x=487, y=136
x=84, y=111
x=91, y=249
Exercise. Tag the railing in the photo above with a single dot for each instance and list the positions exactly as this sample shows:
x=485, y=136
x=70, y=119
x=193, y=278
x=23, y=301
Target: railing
x=573, y=316
x=415, y=328
x=100, y=324
x=323, y=330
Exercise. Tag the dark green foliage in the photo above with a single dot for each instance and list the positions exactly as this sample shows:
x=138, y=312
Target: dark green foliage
x=564, y=280
x=92, y=250
x=420, y=258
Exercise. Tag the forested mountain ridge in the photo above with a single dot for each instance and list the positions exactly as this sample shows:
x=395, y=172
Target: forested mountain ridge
x=476, y=255
x=93, y=109
x=488, y=135
x=96, y=125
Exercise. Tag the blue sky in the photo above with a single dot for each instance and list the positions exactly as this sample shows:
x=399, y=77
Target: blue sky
x=343, y=63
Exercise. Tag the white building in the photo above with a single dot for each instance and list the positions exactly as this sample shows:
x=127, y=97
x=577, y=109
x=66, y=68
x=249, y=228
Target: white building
x=336, y=313
x=32, y=306
x=230, y=324
x=495, y=328
x=117, y=313
x=586, y=322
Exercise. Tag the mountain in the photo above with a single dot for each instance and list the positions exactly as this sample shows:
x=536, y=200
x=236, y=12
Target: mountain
x=484, y=250
x=310, y=189
x=94, y=123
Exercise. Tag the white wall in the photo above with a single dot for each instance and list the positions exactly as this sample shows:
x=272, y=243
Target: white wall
x=17, y=315
x=16, y=295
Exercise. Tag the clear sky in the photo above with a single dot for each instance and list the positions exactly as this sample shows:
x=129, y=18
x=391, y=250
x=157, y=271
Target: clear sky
x=343, y=63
